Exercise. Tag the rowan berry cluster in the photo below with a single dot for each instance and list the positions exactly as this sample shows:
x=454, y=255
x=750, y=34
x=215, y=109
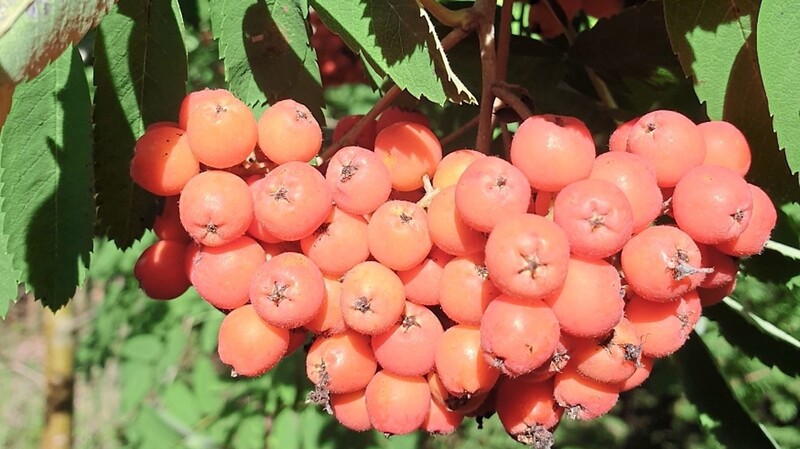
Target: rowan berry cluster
x=441, y=287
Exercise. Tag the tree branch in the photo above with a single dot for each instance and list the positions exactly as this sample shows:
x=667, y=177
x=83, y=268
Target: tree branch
x=512, y=100
x=504, y=39
x=458, y=132
x=484, y=9
x=453, y=37
x=350, y=136
x=458, y=18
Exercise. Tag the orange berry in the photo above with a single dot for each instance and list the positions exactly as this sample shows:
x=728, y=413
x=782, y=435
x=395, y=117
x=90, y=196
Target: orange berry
x=452, y=167
x=250, y=345
x=162, y=162
x=160, y=270
x=398, y=235
x=292, y=200
x=526, y=409
x=588, y=312
x=287, y=290
x=397, y=404
x=350, y=409
x=287, y=131
x=341, y=363
x=221, y=130
x=460, y=363
x=222, y=274
x=408, y=347
x=168, y=223
x=582, y=397
x=670, y=141
x=506, y=337
x=216, y=207
x=409, y=151
x=553, y=151
x=372, y=299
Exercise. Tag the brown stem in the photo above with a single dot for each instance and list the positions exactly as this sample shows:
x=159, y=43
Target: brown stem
x=460, y=131
x=453, y=18
x=350, y=136
x=506, y=134
x=6, y=92
x=504, y=39
x=485, y=11
x=512, y=100
x=453, y=37
x=60, y=378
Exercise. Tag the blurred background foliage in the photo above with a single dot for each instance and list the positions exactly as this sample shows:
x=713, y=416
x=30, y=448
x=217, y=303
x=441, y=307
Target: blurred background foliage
x=148, y=375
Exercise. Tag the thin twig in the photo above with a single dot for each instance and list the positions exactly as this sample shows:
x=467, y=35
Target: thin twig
x=506, y=134
x=350, y=136
x=453, y=37
x=460, y=131
x=430, y=192
x=503, y=51
x=512, y=100
x=485, y=10
x=504, y=39
x=453, y=18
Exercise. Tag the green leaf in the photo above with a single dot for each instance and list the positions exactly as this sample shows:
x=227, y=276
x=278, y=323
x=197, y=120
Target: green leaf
x=46, y=181
x=33, y=33
x=314, y=422
x=8, y=284
x=398, y=37
x=131, y=255
x=175, y=347
x=182, y=403
x=756, y=336
x=631, y=44
x=209, y=334
x=138, y=379
x=266, y=51
x=250, y=433
x=777, y=44
x=9, y=277
x=708, y=390
x=206, y=382
x=286, y=431
x=140, y=72
x=373, y=76
x=408, y=441
x=716, y=46
x=144, y=348
x=347, y=99
x=105, y=260
x=156, y=432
